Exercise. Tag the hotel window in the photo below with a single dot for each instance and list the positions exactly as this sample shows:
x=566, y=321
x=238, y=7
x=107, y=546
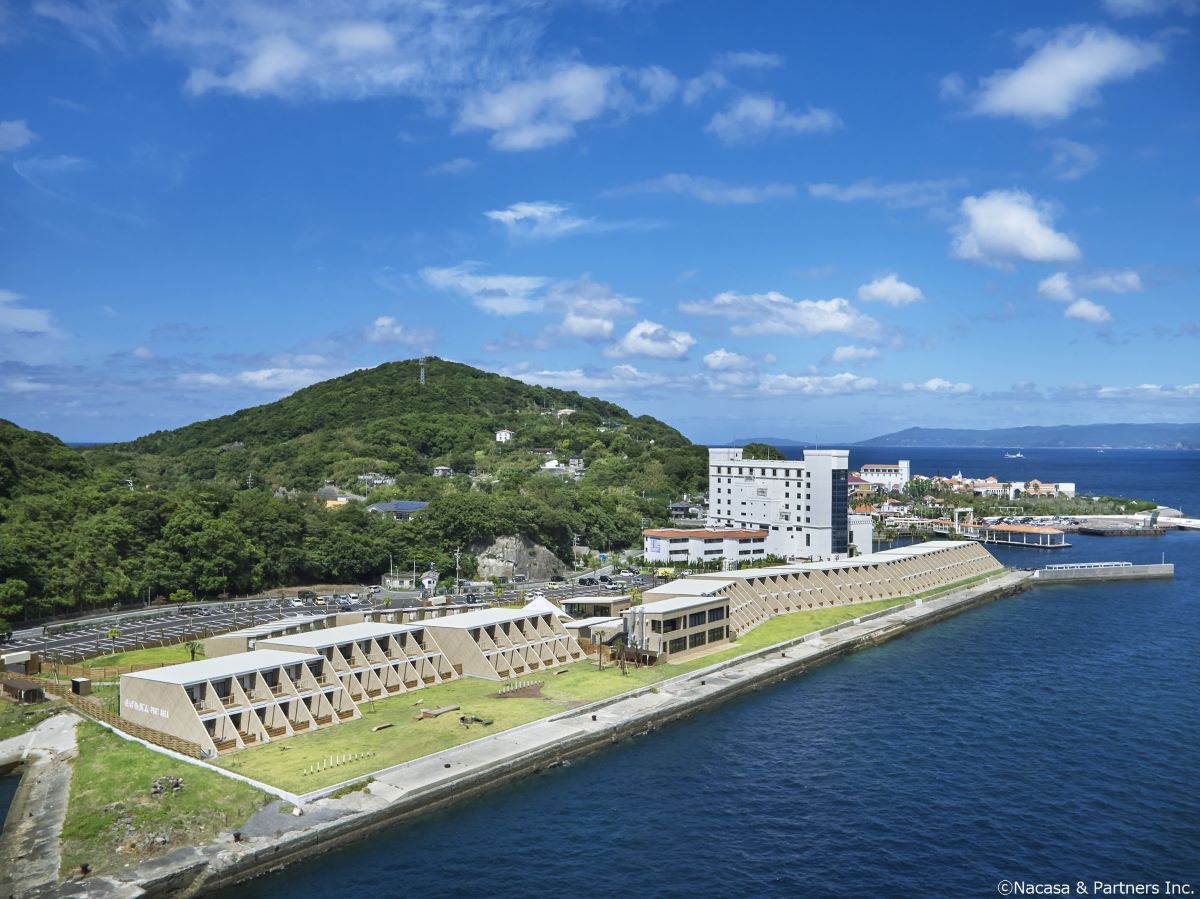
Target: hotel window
x=696, y=619
x=679, y=644
x=717, y=614
x=695, y=640
x=808, y=539
x=715, y=634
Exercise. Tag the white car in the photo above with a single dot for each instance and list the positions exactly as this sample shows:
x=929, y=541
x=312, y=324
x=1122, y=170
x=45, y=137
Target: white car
x=354, y=597
x=296, y=602
x=534, y=594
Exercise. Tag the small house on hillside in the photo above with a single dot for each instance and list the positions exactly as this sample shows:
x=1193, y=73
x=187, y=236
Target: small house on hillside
x=375, y=479
x=504, y=435
x=443, y=471
x=399, y=509
x=332, y=495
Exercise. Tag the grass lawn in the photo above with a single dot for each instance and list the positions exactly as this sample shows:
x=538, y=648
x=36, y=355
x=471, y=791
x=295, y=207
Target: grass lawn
x=164, y=655
x=111, y=815
x=17, y=718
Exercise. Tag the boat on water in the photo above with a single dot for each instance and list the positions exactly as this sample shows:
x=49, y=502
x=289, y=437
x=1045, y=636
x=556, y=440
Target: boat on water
x=1017, y=455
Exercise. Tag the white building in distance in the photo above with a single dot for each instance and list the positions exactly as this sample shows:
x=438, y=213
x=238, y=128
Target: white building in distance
x=887, y=477
x=801, y=504
x=504, y=435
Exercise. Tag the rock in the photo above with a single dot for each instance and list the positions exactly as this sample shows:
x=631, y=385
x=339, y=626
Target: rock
x=507, y=556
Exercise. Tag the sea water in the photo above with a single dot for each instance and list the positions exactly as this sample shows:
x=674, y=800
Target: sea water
x=1049, y=738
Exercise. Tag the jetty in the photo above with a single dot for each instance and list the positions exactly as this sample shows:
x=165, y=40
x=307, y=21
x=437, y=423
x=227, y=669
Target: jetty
x=1102, y=571
x=1116, y=530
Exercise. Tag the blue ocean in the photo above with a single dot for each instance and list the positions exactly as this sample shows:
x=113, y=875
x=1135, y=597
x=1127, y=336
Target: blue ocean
x=1049, y=738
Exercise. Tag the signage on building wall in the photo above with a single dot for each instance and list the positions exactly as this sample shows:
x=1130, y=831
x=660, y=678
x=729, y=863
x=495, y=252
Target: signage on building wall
x=147, y=709
x=653, y=545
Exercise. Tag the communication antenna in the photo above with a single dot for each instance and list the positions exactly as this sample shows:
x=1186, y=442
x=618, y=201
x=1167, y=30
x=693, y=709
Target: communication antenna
x=129, y=484
x=422, y=378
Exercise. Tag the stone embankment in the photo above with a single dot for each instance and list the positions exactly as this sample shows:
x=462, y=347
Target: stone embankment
x=274, y=837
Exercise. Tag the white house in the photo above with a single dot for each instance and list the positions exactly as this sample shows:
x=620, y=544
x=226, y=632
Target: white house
x=887, y=477
x=504, y=435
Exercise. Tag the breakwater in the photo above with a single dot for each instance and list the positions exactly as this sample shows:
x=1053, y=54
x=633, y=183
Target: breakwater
x=1103, y=571
x=425, y=785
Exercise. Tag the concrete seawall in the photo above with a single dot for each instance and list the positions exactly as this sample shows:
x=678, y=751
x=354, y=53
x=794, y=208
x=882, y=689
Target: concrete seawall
x=1126, y=572
x=433, y=782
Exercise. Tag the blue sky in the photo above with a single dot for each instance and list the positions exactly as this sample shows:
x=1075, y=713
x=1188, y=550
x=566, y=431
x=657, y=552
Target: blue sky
x=778, y=218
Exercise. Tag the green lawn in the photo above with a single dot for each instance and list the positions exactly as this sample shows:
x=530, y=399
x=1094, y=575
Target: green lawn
x=156, y=655
x=110, y=805
x=17, y=718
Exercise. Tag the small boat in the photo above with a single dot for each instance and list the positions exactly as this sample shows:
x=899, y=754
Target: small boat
x=1017, y=455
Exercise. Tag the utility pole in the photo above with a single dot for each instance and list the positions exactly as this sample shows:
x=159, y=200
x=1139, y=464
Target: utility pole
x=457, y=588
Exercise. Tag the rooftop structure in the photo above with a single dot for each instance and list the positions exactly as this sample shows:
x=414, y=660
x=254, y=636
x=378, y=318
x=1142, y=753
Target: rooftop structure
x=400, y=509
x=244, y=639
x=502, y=643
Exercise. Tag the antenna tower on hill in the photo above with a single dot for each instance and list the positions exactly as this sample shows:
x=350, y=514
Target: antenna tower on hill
x=422, y=371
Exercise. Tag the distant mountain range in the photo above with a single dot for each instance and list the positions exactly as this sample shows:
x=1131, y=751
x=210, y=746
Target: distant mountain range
x=770, y=441
x=1116, y=436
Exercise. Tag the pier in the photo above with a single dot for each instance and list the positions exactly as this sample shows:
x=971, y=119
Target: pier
x=1103, y=571
x=1116, y=530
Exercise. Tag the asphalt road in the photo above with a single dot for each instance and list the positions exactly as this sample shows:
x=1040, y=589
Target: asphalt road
x=89, y=637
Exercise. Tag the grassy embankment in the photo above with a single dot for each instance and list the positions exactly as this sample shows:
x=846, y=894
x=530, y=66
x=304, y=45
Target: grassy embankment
x=112, y=818
x=282, y=763
x=16, y=719
x=154, y=655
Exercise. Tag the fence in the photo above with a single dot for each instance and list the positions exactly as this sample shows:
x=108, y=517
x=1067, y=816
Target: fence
x=96, y=710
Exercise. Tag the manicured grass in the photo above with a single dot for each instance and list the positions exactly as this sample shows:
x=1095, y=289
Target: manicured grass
x=154, y=655
x=17, y=718
x=111, y=808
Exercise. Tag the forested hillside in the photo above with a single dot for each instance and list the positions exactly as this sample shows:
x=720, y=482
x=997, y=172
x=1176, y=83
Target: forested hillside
x=227, y=506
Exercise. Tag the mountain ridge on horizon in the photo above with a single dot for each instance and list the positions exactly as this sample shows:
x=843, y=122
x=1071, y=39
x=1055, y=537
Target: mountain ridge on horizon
x=1114, y=435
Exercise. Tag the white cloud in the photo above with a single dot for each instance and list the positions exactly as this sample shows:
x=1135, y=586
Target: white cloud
x=1150, y=392
x=1064, y=72
x=775, y=313
x=891, y=290
x=93, y=24
x=726, y=360
x=269, y=379
x=18, y=319
x=15, y=134
x=709, y=190
x=384, y=329
x=752, y=117
x=854, y=354
x=452, y=166
x=1071, y=160
x=40, y=172
x=940, y=385
x=1002, y=225
x=653, y=340
x=1088, y=311
x=696, y=89
x=618, y=379
x=144, y=353
x=951, y=86
x=1057, y=287
x=816, y=385
x=497, y=294
x=537, y=220
x=21, y=386
x=355, y=40
x=1125, y=281
x=540, y=112
x=897, y=194
x=589, y=309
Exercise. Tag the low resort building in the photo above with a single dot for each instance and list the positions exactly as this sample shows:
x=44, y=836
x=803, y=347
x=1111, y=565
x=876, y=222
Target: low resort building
x=500, y=643
x=245, y=639
x=672, y=627
x=596, y=606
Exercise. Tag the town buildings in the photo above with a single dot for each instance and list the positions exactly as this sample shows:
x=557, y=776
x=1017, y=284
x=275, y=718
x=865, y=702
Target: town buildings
x=399, y=509
x=887, y=477
x=703, y=544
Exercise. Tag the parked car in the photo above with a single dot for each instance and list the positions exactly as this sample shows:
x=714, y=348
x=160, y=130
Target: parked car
x=588, y=582
x=344, y=602
x=687, y=572
x=472, y=597
x=296, y=602
x=353, y=597
x=306, y=595
x=520, y=578
x=604, y=579
x=638, y=581
x=534, y=594
x=322, y=600
x=374, y=588
x=557, y=578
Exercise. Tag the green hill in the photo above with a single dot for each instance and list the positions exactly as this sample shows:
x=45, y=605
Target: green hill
x=227, y=506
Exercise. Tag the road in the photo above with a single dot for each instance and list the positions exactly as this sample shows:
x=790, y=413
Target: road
x=88, y=638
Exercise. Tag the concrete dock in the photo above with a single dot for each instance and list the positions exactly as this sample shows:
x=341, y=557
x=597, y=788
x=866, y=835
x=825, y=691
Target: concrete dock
x=1102, y=571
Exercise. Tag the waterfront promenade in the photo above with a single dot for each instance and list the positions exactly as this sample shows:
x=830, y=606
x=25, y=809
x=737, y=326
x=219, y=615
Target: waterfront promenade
x=275, y=837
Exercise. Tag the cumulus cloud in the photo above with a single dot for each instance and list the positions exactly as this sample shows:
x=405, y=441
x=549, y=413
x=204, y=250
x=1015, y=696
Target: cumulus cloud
x=726, y=360
x=1087, y=311
x=537, y=220
x=1003, y=225
x=143, y=353
x=619, y=379
x=752, y=117
x=1071, y=160
x=709, y=190
x=541, y=112
x=748, y=59
x=589, y=308
x=1057, y=287
x=653, y=340
x=1064, y=72
x=386, y=329
x=951, y=86
x=816, y=385
x=854, y=354
x=775, y=313
x=891, y=290
x=274, y=380
x=15, y=134
x=16, y=318
x=940, y=385
x=896, y=194
x=497, y=294
x=1150, y=392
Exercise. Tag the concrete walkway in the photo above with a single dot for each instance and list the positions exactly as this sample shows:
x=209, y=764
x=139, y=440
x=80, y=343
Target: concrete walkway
x=29, y=846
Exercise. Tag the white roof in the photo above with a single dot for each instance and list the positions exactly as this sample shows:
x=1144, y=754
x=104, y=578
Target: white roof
x=598, y=621
x=542, y=605
x=689, y=587
x=224, y=666
x=275, y=627
x=878, y=558
x=347, y=633
x=600, y=599
x=675, y=604
x=483, y=618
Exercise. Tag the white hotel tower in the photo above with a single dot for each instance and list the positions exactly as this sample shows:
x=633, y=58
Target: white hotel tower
x=803, y=505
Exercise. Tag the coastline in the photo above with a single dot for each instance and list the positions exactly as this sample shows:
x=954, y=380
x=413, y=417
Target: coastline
x=274, y=838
